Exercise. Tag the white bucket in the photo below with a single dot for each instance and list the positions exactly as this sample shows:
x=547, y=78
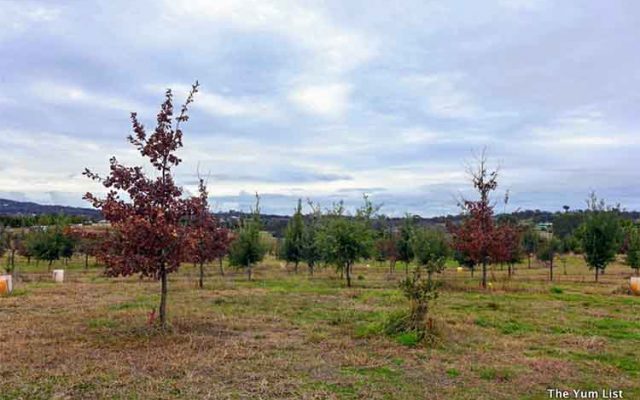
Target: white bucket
x=635, y=285
x=8, y=284
x=58, y=275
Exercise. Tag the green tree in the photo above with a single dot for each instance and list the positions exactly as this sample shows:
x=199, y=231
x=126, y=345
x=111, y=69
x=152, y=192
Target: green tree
x=601, y=234
x=403, y=246
x=565, y=224
x=311, y=252
x=633, y=248
x=49, y=244
x=547, y=251
x=420, y=292
x=431, y=250
x=345, y=239
x=292, y=249
x=247, y=248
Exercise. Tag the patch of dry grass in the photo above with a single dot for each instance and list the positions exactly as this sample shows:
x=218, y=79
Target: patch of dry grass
x=286, y=336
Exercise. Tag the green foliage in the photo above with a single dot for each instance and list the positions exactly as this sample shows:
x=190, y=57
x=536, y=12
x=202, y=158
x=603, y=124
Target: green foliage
x=571, y=244
x=292, y=249
x=600, y=234
x=530, y=240
x=311, y=252
x=405, y=251
x=420, y=292
x=49, y=244
x=633, y=247
x=566, y=224
x=248, y=248
x=430, y=249
x=343, y=239
x=548, y=249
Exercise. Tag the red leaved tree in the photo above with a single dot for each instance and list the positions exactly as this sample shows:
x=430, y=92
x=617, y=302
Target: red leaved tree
x=207, y=238
x=149, y=232
x=88, y=242
x=476, y=236
x=508, y=245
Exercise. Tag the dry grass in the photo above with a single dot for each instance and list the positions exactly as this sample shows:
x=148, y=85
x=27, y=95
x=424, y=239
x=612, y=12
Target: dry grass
x=293, y=337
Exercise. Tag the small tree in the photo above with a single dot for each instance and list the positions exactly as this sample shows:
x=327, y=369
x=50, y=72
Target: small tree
x=633, y=248
x=207, y=239
x=476, y=236
x=293, y=238
x=247, y=248
x=345, y=240
x=49, y=244
x=431, y=250
x=311, y=252
x=420, y=293
x=12, y=242
x=508, y=245
x=530, y=240
x=149, y=234
x=87, y=243
x=403, y=244
x=601, y=234
x=547, y=251
x=386, y=249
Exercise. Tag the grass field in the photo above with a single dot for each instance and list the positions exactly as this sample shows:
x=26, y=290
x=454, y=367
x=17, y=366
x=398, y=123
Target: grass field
x=286, y=336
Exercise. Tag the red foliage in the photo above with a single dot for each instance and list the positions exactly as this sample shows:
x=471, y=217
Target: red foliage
x=150, y=228
x=149, y=231
x=478, y=237
x=208, y=240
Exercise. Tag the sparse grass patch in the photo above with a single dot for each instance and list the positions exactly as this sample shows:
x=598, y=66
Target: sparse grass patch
x=287, y=336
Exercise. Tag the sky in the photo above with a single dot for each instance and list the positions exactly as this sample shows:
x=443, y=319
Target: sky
x=328, y=100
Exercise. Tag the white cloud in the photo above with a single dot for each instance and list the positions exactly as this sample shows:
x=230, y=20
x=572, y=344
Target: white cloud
x=19, y=16
x=222, y=105
x=336, y=49
x=418, y=136
x=61, y=93
x=583, y=127
x=442, y=96
x=324, y=100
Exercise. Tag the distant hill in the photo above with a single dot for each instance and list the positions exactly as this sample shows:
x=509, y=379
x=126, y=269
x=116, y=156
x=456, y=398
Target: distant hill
x=21, y=208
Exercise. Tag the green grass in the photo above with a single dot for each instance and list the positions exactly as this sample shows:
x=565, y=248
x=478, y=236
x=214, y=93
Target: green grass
x=288, y=336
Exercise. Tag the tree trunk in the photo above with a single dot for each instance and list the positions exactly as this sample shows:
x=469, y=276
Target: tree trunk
x=310, y=269
x=49, y=266
x=201, y=282
x=484, y=275
x=597, y=270
x=551, y=270
x=348, y=272
x=221, y=268
x=86, y=261
x=28, y=260
x=406, y=268
x=249, y=272
x=472, y=271
x=529, y=260
x=295, y=267
x=163, y=297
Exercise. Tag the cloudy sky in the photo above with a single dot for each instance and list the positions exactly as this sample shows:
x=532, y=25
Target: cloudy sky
x=329, y=99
